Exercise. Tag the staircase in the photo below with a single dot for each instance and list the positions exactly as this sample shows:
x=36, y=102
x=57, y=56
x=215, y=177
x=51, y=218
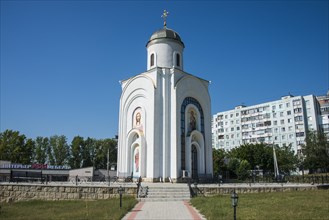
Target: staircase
x=160, y=192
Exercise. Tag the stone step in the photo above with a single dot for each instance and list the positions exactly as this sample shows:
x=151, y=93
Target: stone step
x=162, y=199
x=167, y=193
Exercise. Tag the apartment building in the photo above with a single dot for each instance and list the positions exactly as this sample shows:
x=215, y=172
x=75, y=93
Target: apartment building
x=324, y=110
x=280, y=122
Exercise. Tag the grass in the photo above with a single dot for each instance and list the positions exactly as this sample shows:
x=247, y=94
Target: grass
x=36, y=209
x=279, y=205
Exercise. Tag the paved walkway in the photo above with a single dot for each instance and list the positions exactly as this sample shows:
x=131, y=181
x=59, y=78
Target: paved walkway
x=164, y=210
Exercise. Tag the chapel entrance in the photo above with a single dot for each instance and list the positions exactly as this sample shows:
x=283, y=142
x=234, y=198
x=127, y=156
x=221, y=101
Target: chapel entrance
x=194, y=162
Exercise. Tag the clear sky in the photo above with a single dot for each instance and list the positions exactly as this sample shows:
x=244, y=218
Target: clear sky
x=61, y=61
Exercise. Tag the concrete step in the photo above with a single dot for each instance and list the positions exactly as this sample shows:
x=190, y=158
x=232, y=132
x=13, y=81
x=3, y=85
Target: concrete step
x=167, y=193
x=162, y=199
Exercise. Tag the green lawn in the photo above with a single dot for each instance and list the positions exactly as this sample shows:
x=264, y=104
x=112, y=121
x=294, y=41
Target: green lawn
x=278, y=205
x=36, y=209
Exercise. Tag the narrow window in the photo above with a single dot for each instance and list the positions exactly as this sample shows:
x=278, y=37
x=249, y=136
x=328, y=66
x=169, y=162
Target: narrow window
x=177, y=59
x=152, y=59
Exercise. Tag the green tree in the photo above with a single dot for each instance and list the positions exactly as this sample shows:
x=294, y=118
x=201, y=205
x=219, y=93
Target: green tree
x=59, y=150
x=219, y=165
x=88, y=152
x=243, y=170
x=40, y=150
x=316, y=152
x=15, y=148
x=77, y=145
x=27, y=152
x=287, y=159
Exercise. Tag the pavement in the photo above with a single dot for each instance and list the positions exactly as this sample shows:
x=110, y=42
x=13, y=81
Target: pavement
x=164, y=210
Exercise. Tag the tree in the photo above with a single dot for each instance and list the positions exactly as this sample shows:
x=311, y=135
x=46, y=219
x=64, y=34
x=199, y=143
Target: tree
x=287, y=159
x=77, y=145
x=243, y=170
x=88, y=152
x=260, y=156
x=316, y=152
x=15, y=148
x=59, y=150
x=219, y=156
x=40, y=150
x=27, y=152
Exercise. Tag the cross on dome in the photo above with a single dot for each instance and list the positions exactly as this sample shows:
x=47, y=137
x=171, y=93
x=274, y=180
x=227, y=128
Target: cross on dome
x=164, y=16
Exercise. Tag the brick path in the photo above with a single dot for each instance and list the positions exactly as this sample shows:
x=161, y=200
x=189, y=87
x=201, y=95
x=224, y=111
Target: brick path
x=164, y=210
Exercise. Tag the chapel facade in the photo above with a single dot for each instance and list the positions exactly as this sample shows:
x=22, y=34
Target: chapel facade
x=165, y=117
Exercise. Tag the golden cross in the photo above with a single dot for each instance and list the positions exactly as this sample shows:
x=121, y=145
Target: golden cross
x=164, y=16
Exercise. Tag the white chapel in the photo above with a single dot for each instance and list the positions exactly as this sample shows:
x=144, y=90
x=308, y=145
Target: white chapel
x=165, y=117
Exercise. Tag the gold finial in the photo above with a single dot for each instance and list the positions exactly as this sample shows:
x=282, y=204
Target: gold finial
x=164, y=16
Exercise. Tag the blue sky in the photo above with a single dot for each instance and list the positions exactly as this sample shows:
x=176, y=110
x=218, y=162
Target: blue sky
x=61, y=61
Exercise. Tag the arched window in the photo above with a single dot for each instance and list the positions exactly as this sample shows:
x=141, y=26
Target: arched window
x=177, y=59
x=152, y=59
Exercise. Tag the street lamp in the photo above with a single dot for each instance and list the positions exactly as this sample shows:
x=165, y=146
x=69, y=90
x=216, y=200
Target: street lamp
x=120, y=191
x=234, y=198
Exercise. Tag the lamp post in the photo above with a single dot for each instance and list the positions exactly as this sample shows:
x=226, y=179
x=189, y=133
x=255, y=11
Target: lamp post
x=120, y=190
x=234, y=198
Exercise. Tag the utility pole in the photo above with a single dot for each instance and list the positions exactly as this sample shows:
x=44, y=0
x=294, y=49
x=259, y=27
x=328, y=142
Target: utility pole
x=108, y=165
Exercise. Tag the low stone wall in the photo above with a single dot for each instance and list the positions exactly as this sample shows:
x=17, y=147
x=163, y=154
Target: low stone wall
x=17, y=192
x=212, y=190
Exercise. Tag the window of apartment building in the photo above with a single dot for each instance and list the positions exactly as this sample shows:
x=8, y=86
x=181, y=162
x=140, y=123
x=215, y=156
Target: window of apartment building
x=290, y=128
x=296, y=102
x=225, y=116
x=287, y=104
x=232, y=129
x=237, y=121
x=267, y=115
x=226, y=123
x=273, y=107
x=274, y=115
x=268, y=130
x=232, y=122
x=237, y=135
x=276, y=138
x=220, y=137
x=232, y=135
x=289, y=120
x=275, y=130
x=267, y=123
x=238, y=128
x=283, y=129
x=280, y=106
x=281, y=114
x=298, y=110
x=300, y=134
x=282, y=121
x=227, y=137
x=291, y=136
x=299, y=118
x=275, y=122
x=226, y=129
x=289, y=112
x=283, y=137
x=237, y=114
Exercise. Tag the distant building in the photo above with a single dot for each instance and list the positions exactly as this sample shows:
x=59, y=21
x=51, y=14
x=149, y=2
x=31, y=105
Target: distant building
x=324, y=113
x=280, y=122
